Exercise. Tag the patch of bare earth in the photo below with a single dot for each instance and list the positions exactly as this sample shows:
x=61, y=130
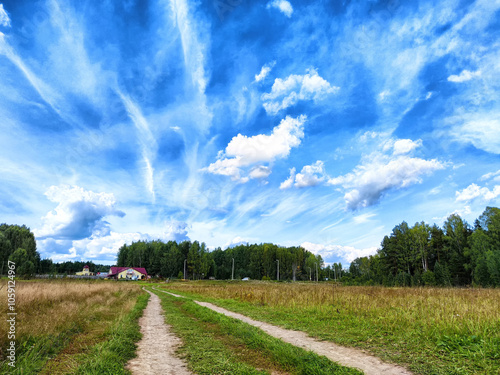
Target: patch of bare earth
x=156, y=350
x=348, y=357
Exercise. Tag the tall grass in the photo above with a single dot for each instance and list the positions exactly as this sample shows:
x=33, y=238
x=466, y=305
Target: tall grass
x=431, y=330
x=50, y=314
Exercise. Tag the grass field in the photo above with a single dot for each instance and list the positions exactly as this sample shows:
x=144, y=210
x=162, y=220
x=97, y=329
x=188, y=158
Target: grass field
x=430, y=331
x=91, y=327
x=61, y=325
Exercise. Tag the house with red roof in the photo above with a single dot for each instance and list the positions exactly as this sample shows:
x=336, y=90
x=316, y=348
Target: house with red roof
x=127, y=273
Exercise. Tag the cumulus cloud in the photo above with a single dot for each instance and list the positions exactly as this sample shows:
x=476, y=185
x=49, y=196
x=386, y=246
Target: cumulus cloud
x=283, y=6
x=474, y=191
x=310, y=175
x=243, y=151
x=175, y=231
x=380, y=172
x=266, y=69
x=104, y=248
x=328, y=252
x=79, y=214
x=404, y=146
x=464, y=76
x=4, y=17
x=289, y=91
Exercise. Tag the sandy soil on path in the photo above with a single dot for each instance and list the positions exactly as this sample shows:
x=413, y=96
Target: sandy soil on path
x=156, y=350
x=349, y=357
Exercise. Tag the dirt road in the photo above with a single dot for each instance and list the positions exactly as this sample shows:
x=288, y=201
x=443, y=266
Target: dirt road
x=156, y=351
x=349, y=357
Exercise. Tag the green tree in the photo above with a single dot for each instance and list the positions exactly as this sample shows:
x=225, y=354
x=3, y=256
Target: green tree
x=24, y=266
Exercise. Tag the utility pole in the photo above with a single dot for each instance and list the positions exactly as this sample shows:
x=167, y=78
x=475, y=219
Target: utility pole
x=185, y=260
x=278, y=278
x=232, y=272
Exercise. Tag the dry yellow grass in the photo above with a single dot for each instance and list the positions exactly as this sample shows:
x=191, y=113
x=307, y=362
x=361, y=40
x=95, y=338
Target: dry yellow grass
x=52, y=307
x=428, y=305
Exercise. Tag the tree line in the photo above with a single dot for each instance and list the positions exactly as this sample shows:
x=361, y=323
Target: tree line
x=192, y=260
x=18, y=244
x=456, y=255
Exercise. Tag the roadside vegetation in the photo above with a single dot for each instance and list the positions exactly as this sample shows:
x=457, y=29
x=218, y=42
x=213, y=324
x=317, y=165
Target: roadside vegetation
x=72, y=326
x=428, y=330
x=216, y=344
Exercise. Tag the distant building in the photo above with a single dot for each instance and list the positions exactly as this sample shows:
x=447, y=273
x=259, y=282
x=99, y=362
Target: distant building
x=85, y=272
x=127, y=273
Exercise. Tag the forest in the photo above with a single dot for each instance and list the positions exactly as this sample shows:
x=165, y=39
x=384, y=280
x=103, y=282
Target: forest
x=457, y=254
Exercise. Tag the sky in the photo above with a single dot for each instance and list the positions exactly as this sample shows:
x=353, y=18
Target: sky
x=322, y=124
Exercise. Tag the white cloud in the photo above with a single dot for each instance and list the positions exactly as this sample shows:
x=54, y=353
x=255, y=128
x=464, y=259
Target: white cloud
x=380, y=172
x=283, y=6
x=348, y=253
x=4, y=17
x=266, y=69
x=474, y=191
x=288, y=183
x=260, y=172
x=493, y=175
x=194, y=50
x=79, y=214
x=460, y=212
x=175, y=231
x=147, y=142
x=287, y=92
x=310, y=175
x=464, y=76
x=404, y=146
x=482, y=132
x=245, y=151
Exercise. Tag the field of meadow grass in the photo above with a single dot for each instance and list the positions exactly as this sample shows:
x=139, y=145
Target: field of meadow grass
x=428, y=330
x=61, y=324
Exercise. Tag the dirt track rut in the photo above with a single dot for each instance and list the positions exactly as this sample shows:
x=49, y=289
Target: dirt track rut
x=156, y=350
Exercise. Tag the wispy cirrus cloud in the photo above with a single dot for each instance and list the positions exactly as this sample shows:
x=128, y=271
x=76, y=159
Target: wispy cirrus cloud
x=4, y=17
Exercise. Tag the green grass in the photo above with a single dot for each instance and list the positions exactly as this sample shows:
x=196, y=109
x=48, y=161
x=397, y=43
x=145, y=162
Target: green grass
x=216, y=344
x=110, y=357
x=429, y=331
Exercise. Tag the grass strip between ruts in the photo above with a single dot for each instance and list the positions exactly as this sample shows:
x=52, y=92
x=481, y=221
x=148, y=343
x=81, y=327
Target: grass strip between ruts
x=110, y=357
x=216, y=344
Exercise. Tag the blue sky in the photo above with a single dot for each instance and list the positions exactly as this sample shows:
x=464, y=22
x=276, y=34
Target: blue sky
x=322, y=124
